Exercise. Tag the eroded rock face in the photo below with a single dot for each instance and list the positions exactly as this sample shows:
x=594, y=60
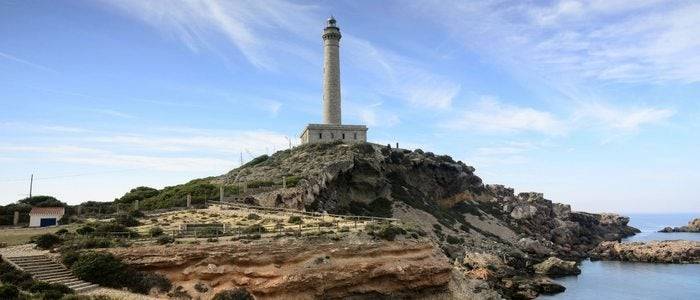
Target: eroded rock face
x=299, y=269
x=556, y=267
x=651, y=252
x=467, y=220
x=693, y=226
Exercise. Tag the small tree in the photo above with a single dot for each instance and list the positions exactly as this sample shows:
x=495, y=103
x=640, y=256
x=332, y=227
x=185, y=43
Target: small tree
x=47, y=241
x=8, y=291
x=236, y=294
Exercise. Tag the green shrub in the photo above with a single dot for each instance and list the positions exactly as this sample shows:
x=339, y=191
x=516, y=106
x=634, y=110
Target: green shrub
x=437, y=227
x=89, y=242
x=42, y=201
x=143, y=282
x=126, y=220
x=10, y=275
x=255, y=228
x=139, y=193
x=293, y=181
x=61, y=231
x=8, y=291
x=454, y=240
x=295, y=220
x=42, y=287
x=85, y=230
x=235, y=294
x=47, y=241
x=165, y=239
x=155, y=231
x=260, y=183
x=387, y=232
x=252, y=216
x=256, y=161
x=69, y=257
x=101, y=268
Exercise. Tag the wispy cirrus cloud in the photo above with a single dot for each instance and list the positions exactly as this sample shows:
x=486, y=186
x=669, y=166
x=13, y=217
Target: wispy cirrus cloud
x=492, y=116
x=256, y=28
x=621, y=41
x=27, y=63
x=621, y=119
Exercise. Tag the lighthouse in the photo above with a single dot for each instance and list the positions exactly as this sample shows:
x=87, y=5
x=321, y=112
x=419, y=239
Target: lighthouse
x=332, y=128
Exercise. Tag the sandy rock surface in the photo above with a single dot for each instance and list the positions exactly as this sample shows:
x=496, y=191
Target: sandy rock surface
x=652, y=252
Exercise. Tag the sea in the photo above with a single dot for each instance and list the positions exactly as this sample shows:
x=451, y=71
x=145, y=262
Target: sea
x=625, y=280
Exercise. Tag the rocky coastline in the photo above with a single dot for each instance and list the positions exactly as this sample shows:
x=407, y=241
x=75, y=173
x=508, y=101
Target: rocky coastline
x=693, y=226
x=666, y=252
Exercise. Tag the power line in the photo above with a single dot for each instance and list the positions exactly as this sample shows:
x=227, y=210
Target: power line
x=72, y=175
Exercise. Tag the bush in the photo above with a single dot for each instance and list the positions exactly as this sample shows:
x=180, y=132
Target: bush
x=8, y=291
x=61, y=231
x=253, y=217
x=201, y=287
x=10, y=275
x=295, y=220
x=165, y=239
x=256, y=161
x=255, y=228
x=88, y=242
x=45, y=287
x=85, y=230
x=47, y=241
x=454, y=240
x=101, y=268
x=236, y=294
x=155, y=231
x=387, y=232
x=69, y=257
x=143, y=282
x=139, y=193
x=126, y=220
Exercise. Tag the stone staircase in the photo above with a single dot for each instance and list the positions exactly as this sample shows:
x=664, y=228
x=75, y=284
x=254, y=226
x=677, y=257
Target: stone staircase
x=43, y=268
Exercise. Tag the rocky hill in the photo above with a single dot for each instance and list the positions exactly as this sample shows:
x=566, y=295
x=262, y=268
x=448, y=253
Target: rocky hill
x=492, y=234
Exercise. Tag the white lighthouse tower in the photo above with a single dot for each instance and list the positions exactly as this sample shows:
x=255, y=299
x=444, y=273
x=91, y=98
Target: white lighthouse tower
x=332, y=129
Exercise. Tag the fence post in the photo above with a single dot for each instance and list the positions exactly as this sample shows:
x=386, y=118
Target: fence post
x=189, y=200
x=284, y=182
x=221, y=193
x=15, y=219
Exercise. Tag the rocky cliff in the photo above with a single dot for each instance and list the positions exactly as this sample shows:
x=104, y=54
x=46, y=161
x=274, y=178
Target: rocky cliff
x=492, y=236
x=693, y=226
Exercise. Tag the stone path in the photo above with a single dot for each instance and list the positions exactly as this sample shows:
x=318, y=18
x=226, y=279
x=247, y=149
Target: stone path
x=42, y=268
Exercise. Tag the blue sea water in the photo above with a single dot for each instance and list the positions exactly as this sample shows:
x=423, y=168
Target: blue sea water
x=624, y=280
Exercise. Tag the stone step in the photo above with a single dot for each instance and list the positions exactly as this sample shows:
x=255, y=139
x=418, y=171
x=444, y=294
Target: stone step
x=78, y=285
x=86, y=288
x=53, y=276
x=66, y=281
x=44, y=268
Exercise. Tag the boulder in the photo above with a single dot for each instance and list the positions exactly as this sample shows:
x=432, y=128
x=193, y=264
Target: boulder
x=678, y=251
x=693, y=226
x=523, y=211
x=554, y=266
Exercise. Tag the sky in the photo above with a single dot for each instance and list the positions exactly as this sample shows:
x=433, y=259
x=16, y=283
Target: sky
x=594, y=103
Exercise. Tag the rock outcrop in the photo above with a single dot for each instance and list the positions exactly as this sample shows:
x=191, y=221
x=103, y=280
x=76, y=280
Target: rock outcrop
x=693, y=226
x=493, y=235
x=651, y=252
x=311, y=268
x=556, y=267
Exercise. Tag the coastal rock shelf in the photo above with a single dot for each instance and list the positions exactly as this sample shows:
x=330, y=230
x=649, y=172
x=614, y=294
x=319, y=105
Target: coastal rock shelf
x=693, y=226
x=682, y=252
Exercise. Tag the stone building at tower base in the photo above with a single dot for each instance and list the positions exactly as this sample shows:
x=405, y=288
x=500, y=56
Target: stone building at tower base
x=322, y=133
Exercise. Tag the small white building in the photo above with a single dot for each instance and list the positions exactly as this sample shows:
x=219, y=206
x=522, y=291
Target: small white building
x=45, y=216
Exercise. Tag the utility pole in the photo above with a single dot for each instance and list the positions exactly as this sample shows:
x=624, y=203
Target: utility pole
x=241, y=159
x=31, y=184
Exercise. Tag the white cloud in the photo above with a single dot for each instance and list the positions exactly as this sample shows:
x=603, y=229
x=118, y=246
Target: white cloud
x=625, y=119
x=399, y=76
x=492, y=116
x=622, y=41
x=27, y=63
x=255, y=28
x=112, y=113
x=374, y=116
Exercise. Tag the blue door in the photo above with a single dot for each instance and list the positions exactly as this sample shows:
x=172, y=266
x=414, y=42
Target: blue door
x=48, y=222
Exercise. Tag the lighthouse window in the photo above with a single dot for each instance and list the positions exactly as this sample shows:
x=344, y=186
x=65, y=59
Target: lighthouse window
x=332, y=136
x=343, y=135
x=320, y=136
x=354, y=135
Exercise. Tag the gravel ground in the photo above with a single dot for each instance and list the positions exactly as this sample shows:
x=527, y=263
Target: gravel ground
x=118, y=294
